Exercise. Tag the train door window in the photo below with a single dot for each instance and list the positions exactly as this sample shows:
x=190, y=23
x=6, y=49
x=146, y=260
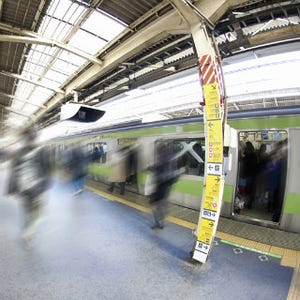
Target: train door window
x=190, y=154
x=262, y=167
x=99, y=152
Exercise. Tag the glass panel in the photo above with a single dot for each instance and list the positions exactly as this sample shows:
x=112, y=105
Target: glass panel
x=56, y=76
x=66, y=10
x=82, y=38
x=98, y=152
x=75, y=59
x=56, y=29
x=51, y=84
x=64, y=67
x=103, y=26
x=189, y=154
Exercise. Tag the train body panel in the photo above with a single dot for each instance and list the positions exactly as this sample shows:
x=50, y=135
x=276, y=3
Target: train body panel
x=187, y=137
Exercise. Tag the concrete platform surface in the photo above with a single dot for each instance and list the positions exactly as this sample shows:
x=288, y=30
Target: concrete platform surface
x=89, y=247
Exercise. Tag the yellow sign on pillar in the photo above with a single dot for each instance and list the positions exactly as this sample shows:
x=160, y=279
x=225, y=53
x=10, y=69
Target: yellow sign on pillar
x=214, y=180
x=212, y=102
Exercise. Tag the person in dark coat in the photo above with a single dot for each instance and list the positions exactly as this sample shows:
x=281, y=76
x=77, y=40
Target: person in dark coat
x=165, y=175
x=78, y=168
x=30, y=179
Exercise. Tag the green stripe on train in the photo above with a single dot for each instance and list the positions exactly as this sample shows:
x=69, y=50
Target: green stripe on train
x=141, y=132
x=284, y=122
x=292, y=204
x=183, y=186
x=192, y=187
x=228, y=193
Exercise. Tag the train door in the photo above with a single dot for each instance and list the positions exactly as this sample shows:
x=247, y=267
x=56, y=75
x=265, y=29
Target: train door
x=262, y=168
x=131, y=155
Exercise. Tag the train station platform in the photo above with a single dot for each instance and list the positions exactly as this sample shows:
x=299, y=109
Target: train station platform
x=100, y=246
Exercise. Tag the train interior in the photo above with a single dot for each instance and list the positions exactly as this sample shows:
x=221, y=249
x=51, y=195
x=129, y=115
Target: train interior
x=262, y=169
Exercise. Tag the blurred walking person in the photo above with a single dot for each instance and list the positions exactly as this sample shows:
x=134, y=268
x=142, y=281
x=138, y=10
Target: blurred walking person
x=30, y=179
x=78, y=166
x=165, y=174
x=119, y=170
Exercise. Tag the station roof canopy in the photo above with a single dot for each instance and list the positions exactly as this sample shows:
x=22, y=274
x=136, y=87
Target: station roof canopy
x=57, y=51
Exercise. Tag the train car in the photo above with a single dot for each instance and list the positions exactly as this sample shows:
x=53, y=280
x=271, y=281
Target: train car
x=262, y=162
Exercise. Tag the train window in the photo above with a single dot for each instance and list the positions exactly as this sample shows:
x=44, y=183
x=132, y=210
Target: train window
x=190, y=153
x=98, y=152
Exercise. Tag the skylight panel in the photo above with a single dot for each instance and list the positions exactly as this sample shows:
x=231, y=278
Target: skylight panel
x=56, y=76
x=29, y=109
x=75, y=59
x=103, y=26
x=51, y=83
x=24, y=90
x=65, y=67
x=55, y=29
x=33, y=69
x=39, y=55
x=87, y=42
x=65, y=10
x=42, y=50
x=40, y=95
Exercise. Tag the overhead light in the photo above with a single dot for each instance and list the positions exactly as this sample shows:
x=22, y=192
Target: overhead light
x=78, y=112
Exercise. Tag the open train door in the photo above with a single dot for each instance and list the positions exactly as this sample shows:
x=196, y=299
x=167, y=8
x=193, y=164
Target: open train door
x=78, y=112
x=290, y=218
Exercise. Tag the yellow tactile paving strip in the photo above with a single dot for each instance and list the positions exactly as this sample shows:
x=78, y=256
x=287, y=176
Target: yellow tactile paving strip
x=290, y=258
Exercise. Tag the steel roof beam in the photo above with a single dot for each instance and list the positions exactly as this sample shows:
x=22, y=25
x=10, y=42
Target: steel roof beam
x=23, y=101
x=38, y=39
x=35, y=82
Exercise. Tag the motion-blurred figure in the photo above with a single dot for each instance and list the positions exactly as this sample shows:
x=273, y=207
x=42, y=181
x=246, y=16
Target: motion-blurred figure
x=118, y=170
x=165, y=173
x=78, y=163
x=30, y=178
x=96, y=155
x=276, y=176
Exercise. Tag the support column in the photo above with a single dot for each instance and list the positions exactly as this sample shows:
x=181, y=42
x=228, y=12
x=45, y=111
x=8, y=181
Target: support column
x=211, y=81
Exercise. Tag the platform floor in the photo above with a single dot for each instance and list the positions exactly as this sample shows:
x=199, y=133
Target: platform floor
x=256, y=233
x=99, y=246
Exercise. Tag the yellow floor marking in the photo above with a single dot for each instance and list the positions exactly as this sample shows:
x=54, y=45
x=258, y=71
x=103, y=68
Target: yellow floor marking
x=277, y=250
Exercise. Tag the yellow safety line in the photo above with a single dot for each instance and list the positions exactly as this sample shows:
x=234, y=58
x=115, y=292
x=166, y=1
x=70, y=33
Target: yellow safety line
x=290, y=258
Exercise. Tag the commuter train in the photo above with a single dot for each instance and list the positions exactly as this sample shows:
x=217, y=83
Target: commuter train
x=273, y=187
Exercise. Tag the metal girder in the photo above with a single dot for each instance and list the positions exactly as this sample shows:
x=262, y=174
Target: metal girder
x=271, y=36
x=35, y=82
x=23, y=101
x=148, y=35
x=38, y=39
x=15, y=111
